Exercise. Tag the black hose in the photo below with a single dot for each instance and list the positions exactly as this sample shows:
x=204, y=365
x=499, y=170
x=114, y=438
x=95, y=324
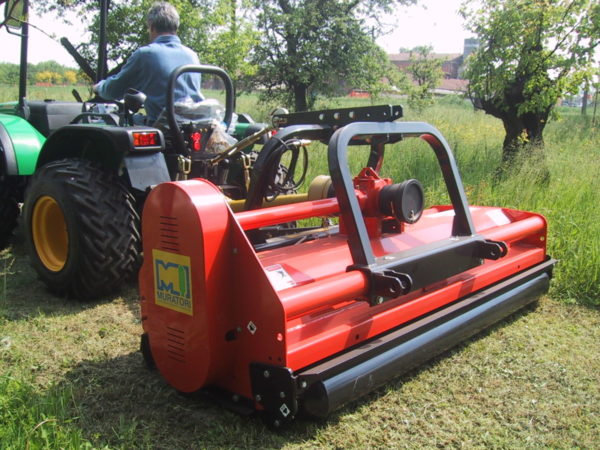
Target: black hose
x=273, y=164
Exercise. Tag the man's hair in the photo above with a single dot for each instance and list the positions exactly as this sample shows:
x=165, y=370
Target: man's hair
x=163, y=17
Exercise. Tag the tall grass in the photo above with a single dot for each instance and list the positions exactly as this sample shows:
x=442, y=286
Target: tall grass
x=10, y=93
x=563, y=184
x=568, y=199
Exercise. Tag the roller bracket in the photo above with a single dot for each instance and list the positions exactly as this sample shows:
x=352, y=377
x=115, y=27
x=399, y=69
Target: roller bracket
x=274, y=388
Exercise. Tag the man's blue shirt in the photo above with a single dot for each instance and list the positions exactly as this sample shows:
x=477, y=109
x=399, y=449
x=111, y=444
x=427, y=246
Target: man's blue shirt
x=148, y=70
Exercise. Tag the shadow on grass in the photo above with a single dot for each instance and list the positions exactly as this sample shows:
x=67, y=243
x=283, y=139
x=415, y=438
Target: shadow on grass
x=121, y=403
x=24, y=296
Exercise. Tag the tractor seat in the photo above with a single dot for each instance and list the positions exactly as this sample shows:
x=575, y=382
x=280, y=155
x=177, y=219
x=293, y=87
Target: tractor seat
x=49, y=115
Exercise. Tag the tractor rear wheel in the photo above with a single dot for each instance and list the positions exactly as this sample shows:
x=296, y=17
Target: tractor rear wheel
x=10, y=193
x=82, y=229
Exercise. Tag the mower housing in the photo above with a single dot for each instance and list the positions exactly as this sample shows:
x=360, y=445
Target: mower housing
x=313, y=319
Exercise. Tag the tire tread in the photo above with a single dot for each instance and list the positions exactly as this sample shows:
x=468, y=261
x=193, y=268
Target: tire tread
x=108, y=237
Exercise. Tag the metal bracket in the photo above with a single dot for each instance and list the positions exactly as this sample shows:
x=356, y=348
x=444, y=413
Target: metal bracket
x=386, y=284
x=246, y=166
x=274, y=388
x=403, y=272
x=492, y=249
x=184, y=167
x=341, y=116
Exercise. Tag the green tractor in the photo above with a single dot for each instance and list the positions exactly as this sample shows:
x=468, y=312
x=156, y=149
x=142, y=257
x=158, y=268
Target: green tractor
x=82, y=170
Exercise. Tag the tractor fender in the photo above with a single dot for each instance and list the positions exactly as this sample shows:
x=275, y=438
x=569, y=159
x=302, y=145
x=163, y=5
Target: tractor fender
x=113, y=147
x=20, y=145
x=107, y=145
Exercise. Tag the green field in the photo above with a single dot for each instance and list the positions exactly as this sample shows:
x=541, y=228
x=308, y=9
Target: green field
x=71, y=375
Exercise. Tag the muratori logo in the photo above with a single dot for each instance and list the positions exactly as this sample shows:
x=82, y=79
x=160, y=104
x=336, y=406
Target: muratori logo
x=172, y=286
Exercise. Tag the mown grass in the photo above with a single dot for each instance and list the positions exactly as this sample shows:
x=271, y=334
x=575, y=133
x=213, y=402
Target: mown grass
x=71, y=375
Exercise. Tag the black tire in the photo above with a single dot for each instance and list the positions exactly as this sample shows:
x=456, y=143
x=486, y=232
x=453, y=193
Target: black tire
x=81, y=229
x=10, y=196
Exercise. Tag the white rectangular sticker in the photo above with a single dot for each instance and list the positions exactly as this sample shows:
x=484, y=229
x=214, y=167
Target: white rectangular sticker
x=279, y=278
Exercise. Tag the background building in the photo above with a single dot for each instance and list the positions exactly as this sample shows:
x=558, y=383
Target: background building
x=452, y=66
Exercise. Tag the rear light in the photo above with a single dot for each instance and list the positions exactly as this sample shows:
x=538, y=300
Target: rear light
x=145, y=139
x=195, y=139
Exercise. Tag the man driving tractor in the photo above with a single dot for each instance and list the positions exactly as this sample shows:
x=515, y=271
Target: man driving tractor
x=149, y=67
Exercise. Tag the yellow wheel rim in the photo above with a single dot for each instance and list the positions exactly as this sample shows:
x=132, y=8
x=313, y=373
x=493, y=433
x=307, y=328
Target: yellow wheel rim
x=49, y=231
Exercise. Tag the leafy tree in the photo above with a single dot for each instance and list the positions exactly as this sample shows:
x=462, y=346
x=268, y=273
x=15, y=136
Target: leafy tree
x=314, y=46
x=70, y=77
x=531, y=53
x=232, y=38
x=49, y=77
x=82, y=78
x=328, y=39
x=9, y=73
x=426, y=73
x=373, y=72
x=217, y=30
x=50, y=66
x=52, y=72
x=43, y=77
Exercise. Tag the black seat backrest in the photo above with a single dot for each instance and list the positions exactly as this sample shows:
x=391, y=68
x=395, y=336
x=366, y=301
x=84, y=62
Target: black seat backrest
x=49, y=115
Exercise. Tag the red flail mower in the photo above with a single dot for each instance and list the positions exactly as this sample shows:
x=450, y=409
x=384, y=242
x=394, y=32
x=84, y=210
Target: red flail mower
x=274, y=317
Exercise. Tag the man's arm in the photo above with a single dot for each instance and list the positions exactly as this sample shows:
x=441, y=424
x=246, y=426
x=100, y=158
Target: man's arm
x=114, y=87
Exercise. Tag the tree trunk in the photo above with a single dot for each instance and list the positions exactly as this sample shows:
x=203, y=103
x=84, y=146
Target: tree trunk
x=300, y=92
x=524, y=137
x=534, y=127
x=584, y=100
x=522, y=132
x=513, y=140
x=595, y=107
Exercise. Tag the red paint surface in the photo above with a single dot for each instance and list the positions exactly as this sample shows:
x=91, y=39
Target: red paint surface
x=240, y=317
